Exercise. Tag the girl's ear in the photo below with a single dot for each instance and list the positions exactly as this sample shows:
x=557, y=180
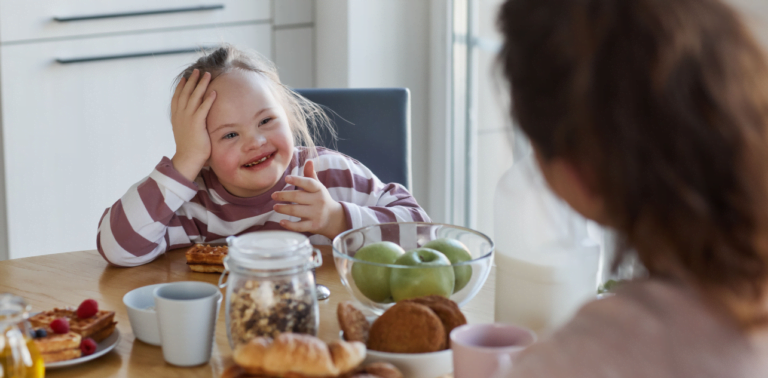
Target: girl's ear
x=569, y=183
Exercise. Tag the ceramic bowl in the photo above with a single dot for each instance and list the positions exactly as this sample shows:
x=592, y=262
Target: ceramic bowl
x=416, y=365
x=413, y=365
x=140, y=304
x=410, y=236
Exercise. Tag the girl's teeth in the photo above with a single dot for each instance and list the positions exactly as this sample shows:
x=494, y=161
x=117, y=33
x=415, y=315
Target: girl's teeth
x=258, y=161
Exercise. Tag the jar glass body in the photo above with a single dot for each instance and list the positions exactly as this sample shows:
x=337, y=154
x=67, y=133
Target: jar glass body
x=265, y=298
x=19, y=356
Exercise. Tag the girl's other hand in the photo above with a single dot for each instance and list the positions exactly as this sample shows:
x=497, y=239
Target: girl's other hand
x=188, y=113
x=319, y=212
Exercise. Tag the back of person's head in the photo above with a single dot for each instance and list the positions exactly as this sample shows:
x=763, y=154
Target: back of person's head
x=306, y=119
x=662, y=106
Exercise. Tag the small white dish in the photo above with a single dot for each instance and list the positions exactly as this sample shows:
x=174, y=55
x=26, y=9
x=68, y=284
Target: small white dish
x=414, y=365
x=140, y=303
x=141, y=313
x=102, y=348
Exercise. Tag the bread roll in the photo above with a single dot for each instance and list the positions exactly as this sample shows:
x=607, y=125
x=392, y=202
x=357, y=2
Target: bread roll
x=291, y=353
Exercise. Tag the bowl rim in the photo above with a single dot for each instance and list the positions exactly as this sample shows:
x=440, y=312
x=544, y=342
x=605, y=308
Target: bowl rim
x=410, y=356
x=487, y=255
x=133, y=293
x=153, y=310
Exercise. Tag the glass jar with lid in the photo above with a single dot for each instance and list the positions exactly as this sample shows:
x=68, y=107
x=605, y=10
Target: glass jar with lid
x=270, y=285
x=19, y=357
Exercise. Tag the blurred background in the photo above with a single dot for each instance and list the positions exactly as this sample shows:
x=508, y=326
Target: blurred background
x=85, y=87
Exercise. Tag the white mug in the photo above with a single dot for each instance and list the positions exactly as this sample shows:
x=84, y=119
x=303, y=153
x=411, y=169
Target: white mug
x=186, y=316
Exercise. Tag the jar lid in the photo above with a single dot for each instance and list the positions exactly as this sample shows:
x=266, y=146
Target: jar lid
x=270, y=250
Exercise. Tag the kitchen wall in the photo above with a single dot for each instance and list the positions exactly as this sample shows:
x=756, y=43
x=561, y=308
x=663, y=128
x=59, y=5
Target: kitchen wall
x=387, y=43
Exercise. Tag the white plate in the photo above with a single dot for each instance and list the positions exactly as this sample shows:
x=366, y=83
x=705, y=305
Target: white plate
x=102, y=348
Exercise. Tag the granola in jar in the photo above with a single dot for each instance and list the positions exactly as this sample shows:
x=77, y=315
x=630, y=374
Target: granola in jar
x=266, y=308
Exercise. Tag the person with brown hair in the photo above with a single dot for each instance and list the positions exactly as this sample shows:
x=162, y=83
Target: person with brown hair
x=651, y=118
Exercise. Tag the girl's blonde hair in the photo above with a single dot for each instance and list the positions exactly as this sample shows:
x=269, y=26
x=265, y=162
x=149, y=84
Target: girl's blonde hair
x=306, y=119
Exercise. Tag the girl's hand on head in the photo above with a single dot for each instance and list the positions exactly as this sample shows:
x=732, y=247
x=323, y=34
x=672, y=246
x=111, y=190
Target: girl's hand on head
x=319, y=212
x=188, y=113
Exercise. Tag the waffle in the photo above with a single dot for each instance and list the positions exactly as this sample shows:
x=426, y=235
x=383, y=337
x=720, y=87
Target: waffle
x=90, y=327
x=104, y=332
x=62, y=355
x=206, y=268
x=206, y=258
x=56, y=342
x=56, y=347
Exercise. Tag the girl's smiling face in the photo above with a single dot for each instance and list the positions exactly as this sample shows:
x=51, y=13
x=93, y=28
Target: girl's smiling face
x=251, y=141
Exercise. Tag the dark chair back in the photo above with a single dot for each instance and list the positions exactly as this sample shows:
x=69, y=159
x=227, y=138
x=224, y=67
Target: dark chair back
x=373, y=125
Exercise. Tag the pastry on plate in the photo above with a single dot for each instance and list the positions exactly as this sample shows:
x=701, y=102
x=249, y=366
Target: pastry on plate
x=410, y=326
x=56, y=347
x=445, y=309
x=203, y=258
x=298, y=355
x=353, y=322
x=97, y=327
x=407, y=327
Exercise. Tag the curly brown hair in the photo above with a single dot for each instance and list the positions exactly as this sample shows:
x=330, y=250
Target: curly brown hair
x=664, y=103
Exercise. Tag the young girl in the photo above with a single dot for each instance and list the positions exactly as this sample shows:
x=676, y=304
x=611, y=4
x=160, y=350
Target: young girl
x=651, y=117
x=239, y=168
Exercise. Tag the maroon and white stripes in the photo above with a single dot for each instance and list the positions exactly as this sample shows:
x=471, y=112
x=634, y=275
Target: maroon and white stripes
x=166, y=211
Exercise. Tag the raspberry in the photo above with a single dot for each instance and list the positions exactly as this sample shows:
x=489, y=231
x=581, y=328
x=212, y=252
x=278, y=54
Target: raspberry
x=88, y=308
x=60, y=325
x=88, y=346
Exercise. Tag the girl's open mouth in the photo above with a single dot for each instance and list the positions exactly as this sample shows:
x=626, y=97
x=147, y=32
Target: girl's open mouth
x=260, y=161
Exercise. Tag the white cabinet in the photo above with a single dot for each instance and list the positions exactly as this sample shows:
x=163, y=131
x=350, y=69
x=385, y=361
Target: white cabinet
x=77, y=135
x=77, y=132
x=43, y=19
x=294, y=12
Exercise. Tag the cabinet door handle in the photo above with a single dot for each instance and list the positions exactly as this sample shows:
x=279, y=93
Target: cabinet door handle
x=139, y=13
x=131, y=55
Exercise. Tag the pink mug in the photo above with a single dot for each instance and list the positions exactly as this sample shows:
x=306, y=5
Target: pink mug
x=487, y=350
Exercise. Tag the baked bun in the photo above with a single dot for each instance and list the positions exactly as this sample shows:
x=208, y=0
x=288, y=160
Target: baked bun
x=298, y=354
x=353, y=322
x=445, y=309
x=407, y=327
x=382, y=370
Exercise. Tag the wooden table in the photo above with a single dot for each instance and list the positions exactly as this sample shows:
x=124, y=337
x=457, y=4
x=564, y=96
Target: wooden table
x=66, y=279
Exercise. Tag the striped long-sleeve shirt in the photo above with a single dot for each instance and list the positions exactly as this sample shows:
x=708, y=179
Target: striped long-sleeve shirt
x=166, y=211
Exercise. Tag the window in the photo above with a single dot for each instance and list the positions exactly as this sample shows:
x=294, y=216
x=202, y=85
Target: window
x=482, y=144
x=482, y=134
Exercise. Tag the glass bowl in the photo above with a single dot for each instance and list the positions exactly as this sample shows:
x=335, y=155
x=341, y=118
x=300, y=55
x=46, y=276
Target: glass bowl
x=410, y=236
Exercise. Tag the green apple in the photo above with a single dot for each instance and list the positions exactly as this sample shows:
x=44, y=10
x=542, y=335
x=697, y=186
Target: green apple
x=457, y=252
x=436, y=278
x=372, y=280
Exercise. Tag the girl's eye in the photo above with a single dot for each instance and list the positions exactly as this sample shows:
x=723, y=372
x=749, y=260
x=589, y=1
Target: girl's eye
x=230, y=135
x=265, y=121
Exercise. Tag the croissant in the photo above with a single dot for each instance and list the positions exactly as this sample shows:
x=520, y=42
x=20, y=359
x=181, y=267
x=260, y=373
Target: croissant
x=298, y=354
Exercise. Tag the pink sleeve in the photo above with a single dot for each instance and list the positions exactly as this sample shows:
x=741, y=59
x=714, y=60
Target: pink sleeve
x=142, y=223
